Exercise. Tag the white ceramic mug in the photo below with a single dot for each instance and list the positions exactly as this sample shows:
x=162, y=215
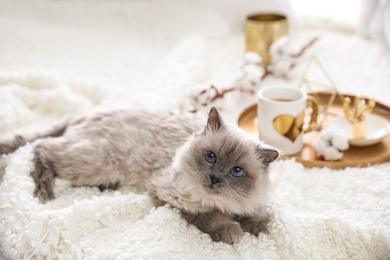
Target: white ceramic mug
x=280, y=113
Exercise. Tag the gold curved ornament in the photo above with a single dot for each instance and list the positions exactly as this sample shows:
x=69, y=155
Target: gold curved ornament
x=356, y=114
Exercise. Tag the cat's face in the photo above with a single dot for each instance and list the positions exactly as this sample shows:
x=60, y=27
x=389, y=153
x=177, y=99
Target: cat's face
x=225, y=168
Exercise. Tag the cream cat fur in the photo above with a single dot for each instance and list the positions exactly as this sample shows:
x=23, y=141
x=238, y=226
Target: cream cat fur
x=216, y=175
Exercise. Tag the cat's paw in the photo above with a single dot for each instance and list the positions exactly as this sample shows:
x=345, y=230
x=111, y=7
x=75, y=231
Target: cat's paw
x=258, y=227
x=255, y=224
x=229, y=233
x=44, y=195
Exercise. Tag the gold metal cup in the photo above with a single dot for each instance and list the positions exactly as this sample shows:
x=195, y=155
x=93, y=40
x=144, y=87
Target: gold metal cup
x=262, y=30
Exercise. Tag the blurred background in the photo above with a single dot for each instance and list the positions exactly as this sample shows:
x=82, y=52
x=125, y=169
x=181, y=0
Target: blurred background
x=128, y=45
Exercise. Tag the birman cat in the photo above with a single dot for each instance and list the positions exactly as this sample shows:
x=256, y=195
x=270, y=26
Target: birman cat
x=217, y=175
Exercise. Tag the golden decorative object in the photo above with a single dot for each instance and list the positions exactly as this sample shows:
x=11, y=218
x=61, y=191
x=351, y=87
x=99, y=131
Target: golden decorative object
x=356, y=114
x=262, y=30
x=329, y=86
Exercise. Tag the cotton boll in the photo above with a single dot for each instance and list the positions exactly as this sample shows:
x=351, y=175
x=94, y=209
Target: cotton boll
x=238, y=75
x=244, y=84
x=292, y=49
x=337, y=140
x=196, y=89
x=325, y=149
x=280, y=48
x=283, y=48
x=281, y=53
x=281, y=68
x=253, y=73
x=340, y=142
x=330, y=144
x=248, y=77
x=282, y=56
x=252, y=58
x=250, y=72
x=211, y=92
x=321, y=145
x=196, y=96
x=332, y=154
x=327, y=133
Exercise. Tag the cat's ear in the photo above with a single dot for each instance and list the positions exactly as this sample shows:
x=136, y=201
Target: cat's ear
x=214, y=121
x=267, y=155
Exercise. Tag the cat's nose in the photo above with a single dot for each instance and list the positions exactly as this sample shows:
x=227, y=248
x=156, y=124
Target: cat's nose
x=214, y=180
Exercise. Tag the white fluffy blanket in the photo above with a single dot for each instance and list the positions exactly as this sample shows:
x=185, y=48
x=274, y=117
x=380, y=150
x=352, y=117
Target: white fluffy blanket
x=51, y=70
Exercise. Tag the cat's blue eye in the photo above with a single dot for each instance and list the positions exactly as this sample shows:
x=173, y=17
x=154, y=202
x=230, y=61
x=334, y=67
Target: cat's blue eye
x=237, y=171
x=210, y=157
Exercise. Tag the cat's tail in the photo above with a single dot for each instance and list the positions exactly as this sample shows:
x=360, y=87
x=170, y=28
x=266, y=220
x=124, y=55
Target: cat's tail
x=11, y=146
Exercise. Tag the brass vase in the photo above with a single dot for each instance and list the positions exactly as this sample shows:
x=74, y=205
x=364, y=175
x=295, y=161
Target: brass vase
x=262, y=30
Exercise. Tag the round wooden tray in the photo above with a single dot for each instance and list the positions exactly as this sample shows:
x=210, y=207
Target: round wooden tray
x=353, y=157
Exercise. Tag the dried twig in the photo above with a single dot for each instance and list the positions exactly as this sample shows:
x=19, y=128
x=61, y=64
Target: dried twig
x=304, y=48
x=267, y=71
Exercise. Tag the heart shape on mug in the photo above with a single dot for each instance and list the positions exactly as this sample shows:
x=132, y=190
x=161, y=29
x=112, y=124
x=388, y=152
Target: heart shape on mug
x=289, y=126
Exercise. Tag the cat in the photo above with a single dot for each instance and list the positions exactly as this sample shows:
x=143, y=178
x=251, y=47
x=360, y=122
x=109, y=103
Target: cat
x=216, y=174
